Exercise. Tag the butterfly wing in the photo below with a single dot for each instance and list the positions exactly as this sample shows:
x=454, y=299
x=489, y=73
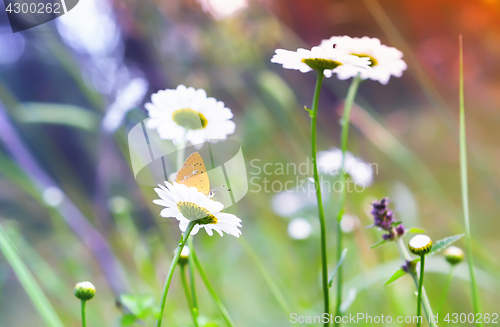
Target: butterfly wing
x=194, y=174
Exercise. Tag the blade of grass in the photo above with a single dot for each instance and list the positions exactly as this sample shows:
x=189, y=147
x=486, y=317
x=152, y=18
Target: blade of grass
x=267, y=277
x=28, y=282
x=92, y=238
x=212, y=292
x=476, y=302
x=429, y=88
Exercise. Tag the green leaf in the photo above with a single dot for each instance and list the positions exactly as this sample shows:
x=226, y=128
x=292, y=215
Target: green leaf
x=142, y=307
x=128, y=320
x=54, y=113
x=339, y=263
x=377, y=244
x=444, y=243
x=28, y=282
x=416, y=230
x=311, y=113
x=397, y=275
x=396, y=223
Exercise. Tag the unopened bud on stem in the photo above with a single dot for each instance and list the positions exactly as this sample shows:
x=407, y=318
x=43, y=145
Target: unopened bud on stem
x=454, y=255
x=85, y=291
x=420, y=245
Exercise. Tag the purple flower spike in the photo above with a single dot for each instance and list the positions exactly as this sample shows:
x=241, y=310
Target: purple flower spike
x=382, y=215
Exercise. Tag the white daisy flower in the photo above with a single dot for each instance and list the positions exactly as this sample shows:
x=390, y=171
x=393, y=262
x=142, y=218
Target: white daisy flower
x=188, y=204
x=190, y=114
x=318, y=58
x=385, y=61
x=330, y=162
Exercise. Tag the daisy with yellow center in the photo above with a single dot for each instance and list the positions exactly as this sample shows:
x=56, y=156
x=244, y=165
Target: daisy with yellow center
x=193, y=210
x=384, y=61
x=318, y=58
x=185, y=114
x=188, y=204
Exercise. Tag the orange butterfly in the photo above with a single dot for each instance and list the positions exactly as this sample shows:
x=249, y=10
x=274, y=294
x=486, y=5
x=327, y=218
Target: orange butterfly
x=194, y=174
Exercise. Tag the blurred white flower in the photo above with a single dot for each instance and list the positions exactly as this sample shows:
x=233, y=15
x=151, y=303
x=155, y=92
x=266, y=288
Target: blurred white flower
x=287, y=203
x=299, y=229
x=349, y=223
x=188, y=204
x=385, y=61
x=127, y=99
x=53, y=196
x=223, y=8
x=190, y=114
x=90, y=28
x=319, y=58
x=330, y=162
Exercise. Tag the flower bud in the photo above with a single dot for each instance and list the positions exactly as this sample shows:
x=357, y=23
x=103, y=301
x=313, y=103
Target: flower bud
x=183, y=259
x=420, y=245
x=400, y=230
x=454, y=255
x=388, y=237
x=408, y=266
x=85, y=291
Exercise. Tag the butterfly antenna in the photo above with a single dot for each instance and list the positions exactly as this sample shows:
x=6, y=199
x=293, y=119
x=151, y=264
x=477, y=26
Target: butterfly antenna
x=219, y=187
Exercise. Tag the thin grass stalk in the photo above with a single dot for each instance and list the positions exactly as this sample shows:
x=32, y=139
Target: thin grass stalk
x=68, y=210
x=187, y=292
x=476, y=301
x=267, y=276
x=192, y=278
x=211, y=291
x=28, y=282
x=446, y=289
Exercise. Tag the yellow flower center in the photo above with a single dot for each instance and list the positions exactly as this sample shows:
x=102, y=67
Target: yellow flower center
x=373, y=61
x=321, y=64
x=192, y=211
x=189, y=119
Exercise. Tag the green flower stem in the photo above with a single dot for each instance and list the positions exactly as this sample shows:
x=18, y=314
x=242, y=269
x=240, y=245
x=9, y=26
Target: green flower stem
x=84, y=315
x=351, y=95
x=28, y=282
x=185, y=285
x=314, y=114
x=194, y=298
x=171, y=270
x=446, y=290
x=211, y=290
x=420, y=285
x=273, y=287
x=425, y=300
x=476, y=300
